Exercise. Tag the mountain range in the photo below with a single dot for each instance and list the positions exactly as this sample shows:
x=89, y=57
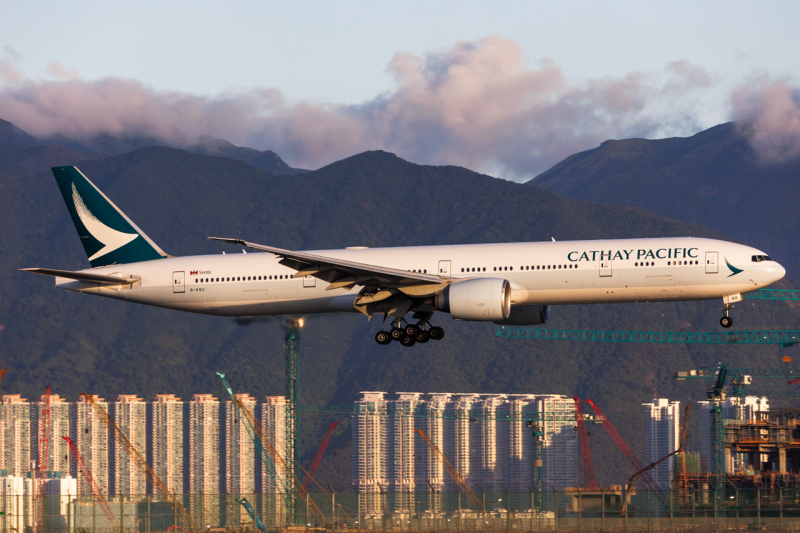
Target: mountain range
x=78, y=343
x=714, y=179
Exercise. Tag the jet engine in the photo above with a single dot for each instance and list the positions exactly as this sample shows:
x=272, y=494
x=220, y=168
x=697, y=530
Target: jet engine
x=526, y=315
x=476, y=299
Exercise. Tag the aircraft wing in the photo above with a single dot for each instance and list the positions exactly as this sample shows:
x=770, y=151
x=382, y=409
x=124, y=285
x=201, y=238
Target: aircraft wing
x=342, y=274
x=83, y=276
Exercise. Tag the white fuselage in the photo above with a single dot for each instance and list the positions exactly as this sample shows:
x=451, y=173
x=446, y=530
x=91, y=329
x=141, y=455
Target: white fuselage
x=568, y=272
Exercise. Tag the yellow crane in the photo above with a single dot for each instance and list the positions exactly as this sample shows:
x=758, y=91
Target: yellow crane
x=123, y=442
x=452, y=471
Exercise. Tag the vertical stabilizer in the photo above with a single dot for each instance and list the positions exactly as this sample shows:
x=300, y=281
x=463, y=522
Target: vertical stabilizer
x=107, y=234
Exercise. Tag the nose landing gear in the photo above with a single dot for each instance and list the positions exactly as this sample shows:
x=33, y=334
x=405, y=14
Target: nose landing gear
x=726, y=321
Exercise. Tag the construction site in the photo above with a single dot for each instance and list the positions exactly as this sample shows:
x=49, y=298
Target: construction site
x=421, y=461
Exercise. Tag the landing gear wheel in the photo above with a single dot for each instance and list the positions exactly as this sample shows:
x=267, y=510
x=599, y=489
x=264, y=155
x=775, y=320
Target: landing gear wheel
x=396, y=334
x=383, y=337
x=726, y=322
x=411, y=330
x=405, y=340
x=423, y=336
x=437, y=333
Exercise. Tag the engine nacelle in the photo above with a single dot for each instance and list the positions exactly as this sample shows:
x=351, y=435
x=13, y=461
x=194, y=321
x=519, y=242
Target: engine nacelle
x=526, y=315
x=476, y=299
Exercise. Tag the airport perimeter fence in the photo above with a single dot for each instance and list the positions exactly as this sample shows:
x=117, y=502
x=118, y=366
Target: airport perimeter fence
x=677, y=510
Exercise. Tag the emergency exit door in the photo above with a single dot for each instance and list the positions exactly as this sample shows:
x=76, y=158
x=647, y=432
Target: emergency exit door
x=712, y=262
x=605, y=266
x=177, y=282
x=444, y=268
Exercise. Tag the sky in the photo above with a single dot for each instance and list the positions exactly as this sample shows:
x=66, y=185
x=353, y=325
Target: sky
x=505, y=87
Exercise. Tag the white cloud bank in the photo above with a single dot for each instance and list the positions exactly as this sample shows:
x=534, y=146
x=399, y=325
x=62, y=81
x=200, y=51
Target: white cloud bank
x=477, y=104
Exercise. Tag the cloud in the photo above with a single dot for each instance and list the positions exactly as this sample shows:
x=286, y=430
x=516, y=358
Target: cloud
x=767, y=112
x=478, y=104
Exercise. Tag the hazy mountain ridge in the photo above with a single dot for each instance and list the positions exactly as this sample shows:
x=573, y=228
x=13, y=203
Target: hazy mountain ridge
x=713, y=179
x=77, y=343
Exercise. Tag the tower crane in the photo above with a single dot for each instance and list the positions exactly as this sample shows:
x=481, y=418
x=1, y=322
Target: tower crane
x=87, y=475
x=588, y=467
x=123, y=442
x=452, y=471
x=277, y=466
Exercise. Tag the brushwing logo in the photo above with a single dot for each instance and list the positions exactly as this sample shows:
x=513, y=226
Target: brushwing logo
x=732, y=268
x=109, y=237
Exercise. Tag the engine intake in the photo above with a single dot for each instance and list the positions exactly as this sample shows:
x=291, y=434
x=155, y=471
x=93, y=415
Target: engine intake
x=476, y=299
x=526, y=315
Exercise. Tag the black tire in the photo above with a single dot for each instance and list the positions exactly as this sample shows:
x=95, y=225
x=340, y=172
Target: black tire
x=726, y=322
x=383, y=337
x=411, y=330
x=437, y=333
x=396, y=334
x=405, y=340
x=423, y=336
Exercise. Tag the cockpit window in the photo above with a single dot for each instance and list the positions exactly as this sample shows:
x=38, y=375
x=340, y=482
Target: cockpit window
x=759, y=258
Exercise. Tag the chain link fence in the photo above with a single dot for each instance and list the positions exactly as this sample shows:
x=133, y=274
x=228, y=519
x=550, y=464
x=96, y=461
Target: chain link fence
x=412, y=511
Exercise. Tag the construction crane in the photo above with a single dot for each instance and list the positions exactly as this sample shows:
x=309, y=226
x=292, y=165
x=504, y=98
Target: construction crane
x=618, y=440
x=782, y=337
x=123, y=442
x=682, y=435
x=276, y=465
x=87, y=475
x=588, y=467
x=44, y=449
x=256, y=520
x=452, y=471
x=3, y=373
x=318, y=457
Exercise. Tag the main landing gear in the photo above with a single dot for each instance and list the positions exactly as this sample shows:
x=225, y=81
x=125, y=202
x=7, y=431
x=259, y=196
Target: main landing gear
x=726, y=321
x=410, y=334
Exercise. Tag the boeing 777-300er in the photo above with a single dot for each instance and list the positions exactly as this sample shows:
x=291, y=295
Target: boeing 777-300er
x=512, y=284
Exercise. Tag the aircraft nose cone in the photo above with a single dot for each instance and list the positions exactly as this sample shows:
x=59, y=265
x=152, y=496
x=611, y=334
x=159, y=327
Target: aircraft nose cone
x=778, y=272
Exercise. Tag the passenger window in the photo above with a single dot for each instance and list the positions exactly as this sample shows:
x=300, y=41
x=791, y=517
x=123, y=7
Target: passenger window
x=495, y=269
x=511, y=268
x=462, y=270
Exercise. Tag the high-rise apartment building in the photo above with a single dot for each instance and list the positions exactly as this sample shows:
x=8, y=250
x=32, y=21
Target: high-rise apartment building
x=166, y=440
x=130, y=414
x=433, y=471
x=204, y=449
x=90, y=436
x=15, y=416
x=370, y=446
x=461, y=438
x=240, y=454
x=273, y=481
x=58, y=456
x=402, y=439
x=519, y=446
x=204, y=468
x=560, y=441
x=491, y=444
x=662, y=423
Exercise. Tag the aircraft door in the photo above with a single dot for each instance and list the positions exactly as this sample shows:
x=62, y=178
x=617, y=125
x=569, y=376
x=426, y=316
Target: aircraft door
x=444, y=268
x=605, y=265
x=712, y=262
x=309, y=281
x=177, y=282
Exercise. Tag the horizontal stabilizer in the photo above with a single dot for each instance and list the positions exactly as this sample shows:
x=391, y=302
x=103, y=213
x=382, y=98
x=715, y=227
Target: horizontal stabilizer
x=84, y=276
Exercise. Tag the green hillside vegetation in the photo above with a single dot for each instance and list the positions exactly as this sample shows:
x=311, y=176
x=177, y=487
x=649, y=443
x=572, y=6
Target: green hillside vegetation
x=77, y=343
x=713, y=179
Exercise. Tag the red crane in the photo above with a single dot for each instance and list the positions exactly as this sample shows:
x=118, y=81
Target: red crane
x=588, y=468
x=87, y=475
x=637, y=466
x=317, y=458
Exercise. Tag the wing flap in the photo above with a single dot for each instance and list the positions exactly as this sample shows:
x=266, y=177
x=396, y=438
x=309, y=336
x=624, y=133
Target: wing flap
x=84, y=276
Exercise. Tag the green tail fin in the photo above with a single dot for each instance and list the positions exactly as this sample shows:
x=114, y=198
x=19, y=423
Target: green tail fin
x=108, y=236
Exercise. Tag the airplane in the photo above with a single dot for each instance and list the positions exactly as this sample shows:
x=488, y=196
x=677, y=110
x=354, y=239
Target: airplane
x=507, y=284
